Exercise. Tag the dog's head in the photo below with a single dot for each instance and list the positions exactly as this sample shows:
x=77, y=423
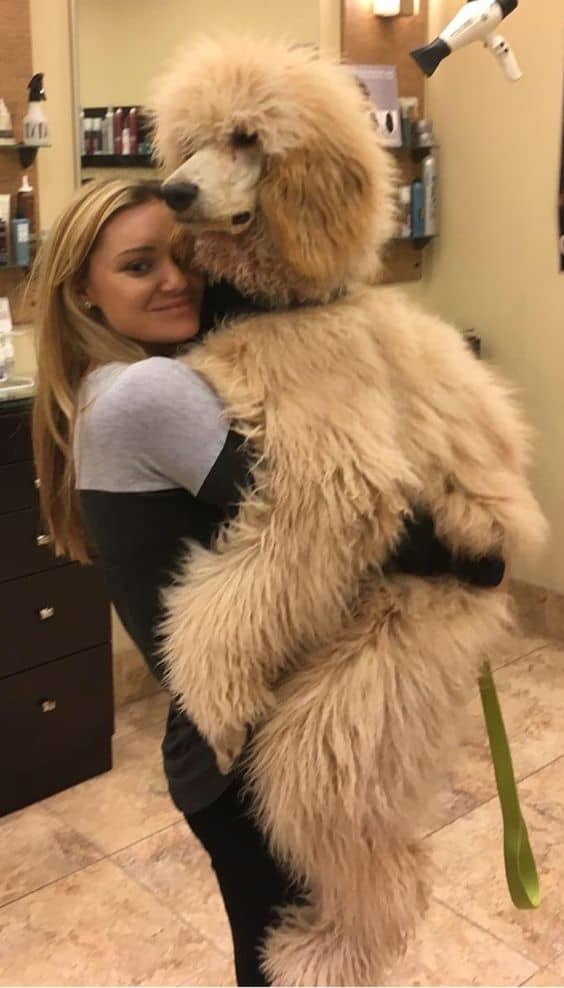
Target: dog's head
x=271, y=155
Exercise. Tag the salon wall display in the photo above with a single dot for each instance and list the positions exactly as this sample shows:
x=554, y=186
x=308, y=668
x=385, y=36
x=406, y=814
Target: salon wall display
x=380, y=84
x=136, y=48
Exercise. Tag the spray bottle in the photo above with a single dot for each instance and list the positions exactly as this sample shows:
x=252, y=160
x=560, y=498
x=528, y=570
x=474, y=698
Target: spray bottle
x=35, y=127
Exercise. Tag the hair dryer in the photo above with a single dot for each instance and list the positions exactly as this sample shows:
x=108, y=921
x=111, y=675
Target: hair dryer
x=475, y=21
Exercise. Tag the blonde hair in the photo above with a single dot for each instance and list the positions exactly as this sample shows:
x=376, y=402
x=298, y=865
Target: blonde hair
x=70, y=339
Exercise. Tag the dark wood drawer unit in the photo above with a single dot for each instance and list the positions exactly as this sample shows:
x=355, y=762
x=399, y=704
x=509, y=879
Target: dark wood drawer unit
x=53, y=715
x=56, y=698
x=25, y=547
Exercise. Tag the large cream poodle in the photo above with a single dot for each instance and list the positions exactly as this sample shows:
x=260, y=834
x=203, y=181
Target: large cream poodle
x=361, y=409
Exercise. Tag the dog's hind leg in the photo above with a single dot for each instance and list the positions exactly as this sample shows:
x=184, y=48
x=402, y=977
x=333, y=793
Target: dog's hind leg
x=336, y=941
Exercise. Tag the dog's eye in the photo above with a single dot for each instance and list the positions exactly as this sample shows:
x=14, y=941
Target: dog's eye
x=241, y=139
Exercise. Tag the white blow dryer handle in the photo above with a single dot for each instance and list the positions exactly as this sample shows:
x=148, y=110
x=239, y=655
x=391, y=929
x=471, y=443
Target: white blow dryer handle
x=504, y=56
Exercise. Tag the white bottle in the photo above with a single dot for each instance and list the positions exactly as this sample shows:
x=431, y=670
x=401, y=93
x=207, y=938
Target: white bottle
x=35, y=126
x=125, y=145
x=109, y=130
x=6, y=132
x=429, y=179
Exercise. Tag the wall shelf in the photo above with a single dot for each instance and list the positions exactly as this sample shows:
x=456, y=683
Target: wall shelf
x=27, y=152
x=417, y=242
x=117, y=161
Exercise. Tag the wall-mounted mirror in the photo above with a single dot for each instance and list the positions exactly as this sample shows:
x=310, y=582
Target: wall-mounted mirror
x=121, y=45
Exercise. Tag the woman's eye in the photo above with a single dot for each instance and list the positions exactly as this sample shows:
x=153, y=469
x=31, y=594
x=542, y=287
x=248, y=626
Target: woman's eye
x=138, y=267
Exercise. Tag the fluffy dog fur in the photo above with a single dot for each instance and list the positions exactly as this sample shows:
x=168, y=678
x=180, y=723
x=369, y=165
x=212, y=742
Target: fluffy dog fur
x=359, y=407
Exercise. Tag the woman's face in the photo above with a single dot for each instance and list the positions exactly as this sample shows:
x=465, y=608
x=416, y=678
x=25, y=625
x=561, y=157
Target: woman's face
x=133, y=279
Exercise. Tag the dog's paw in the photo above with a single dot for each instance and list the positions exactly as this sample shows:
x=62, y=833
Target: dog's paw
x=228, y=746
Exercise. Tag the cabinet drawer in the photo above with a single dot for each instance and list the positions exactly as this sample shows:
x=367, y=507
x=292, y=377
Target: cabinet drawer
x=64, y=770
x=58, y=707
x=24, y=549
x=49, y=615
x=17, y=486
x=15, y=437
x=56, y=725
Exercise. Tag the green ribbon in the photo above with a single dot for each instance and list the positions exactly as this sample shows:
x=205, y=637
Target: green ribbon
x=520, y=868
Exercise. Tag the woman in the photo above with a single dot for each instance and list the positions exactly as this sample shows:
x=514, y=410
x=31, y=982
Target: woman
x=135, y=456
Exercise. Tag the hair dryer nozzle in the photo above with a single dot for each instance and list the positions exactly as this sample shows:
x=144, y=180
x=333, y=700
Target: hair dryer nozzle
x=430, y=56
x=507, y=6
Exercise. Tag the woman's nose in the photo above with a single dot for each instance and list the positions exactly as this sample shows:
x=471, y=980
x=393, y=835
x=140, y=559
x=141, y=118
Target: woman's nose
x=173, y=278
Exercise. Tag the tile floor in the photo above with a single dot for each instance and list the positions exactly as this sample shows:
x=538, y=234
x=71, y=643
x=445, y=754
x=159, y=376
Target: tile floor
x=104, y=885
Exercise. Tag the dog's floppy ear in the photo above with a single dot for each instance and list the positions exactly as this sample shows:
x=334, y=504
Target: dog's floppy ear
x=317, y=206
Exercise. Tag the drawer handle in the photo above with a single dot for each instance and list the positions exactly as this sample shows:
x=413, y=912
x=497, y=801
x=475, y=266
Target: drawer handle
x=37, y=482
x=43, y=539
x=48, y=706
x=46, y=612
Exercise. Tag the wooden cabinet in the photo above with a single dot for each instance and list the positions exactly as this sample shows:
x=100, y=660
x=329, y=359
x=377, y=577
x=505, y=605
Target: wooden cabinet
x=56, y=698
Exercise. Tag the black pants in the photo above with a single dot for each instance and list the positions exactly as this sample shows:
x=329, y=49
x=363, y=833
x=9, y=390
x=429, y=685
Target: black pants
x=251, y=882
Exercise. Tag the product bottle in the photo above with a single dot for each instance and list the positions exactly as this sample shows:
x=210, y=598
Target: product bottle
x=90, y=137
x=429, y=179
x=109, y=130
x=6, y=132
x=133, y=142
x=20, y=242
x=417, y=209
x=404, y=224
x=35, y=127
x=422, y=134
x=118, y=127
x=125, y=137
x=3, y=244
x=98, y=135
x=409, y=109
x=25, y=202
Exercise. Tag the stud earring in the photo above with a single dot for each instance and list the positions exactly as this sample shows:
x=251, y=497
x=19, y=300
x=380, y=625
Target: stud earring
x=87, y=304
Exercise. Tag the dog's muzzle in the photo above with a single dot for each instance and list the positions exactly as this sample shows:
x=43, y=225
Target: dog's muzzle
x=180, y=195
x=182, y=198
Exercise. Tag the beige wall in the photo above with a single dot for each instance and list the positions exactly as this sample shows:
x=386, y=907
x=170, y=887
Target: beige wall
x=51, y=55
x=124, y=44
x=495, y=265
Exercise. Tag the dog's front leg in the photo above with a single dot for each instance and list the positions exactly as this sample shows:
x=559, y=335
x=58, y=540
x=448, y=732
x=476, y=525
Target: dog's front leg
x=213, y=646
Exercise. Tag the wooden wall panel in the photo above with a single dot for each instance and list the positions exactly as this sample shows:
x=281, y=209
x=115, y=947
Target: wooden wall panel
x=15, y=73
x=371, y=40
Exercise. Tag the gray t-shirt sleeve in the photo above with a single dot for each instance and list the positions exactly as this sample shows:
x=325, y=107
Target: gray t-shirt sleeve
x=148, y=426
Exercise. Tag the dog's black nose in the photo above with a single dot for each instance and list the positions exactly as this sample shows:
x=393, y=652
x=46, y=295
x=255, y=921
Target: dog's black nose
x=179, y=195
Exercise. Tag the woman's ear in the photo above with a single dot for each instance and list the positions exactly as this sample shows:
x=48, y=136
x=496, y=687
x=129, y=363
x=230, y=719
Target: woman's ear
x=81, y=292
x=318, y=208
